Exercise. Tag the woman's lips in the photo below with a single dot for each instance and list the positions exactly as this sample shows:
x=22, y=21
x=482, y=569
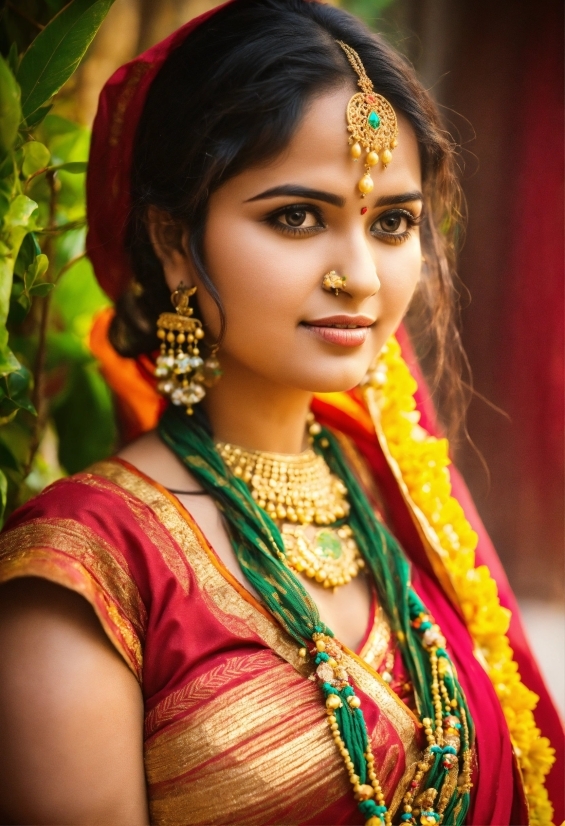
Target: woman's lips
x=342, y=330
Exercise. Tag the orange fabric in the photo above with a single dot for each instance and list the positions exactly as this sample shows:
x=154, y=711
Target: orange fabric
x=139, y=404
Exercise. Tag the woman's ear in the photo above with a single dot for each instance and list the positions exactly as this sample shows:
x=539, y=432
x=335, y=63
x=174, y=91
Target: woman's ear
x=170, y=243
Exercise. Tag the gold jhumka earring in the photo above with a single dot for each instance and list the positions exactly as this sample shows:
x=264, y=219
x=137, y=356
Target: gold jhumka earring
x=333, y=282
x=183, y=373
x=371, y=122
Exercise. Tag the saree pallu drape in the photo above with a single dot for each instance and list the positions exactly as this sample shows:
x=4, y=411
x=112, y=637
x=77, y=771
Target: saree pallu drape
x=235, y=732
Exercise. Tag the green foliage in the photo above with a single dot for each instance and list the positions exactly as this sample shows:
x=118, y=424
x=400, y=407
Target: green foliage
x=10, y=107
x=367, y=10
x=55, y=410
x=57, y=51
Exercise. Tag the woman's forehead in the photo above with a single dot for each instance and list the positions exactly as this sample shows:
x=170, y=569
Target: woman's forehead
x=318, y=156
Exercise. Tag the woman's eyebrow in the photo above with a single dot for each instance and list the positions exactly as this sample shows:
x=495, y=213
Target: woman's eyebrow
x=300, y=192
x=404, y=198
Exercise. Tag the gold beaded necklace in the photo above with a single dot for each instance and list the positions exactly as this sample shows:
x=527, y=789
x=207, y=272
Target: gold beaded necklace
x=308, y=503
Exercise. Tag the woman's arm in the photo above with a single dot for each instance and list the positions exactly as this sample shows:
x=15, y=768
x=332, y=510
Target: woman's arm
x=71, y=714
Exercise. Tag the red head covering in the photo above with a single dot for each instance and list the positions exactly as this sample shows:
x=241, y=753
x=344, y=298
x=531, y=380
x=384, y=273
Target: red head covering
x=113, y=134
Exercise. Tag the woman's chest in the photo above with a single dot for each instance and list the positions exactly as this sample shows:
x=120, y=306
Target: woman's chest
x=245, y=740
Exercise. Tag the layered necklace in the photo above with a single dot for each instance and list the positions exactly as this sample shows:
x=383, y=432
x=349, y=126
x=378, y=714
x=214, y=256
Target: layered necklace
x=309, y=504
x=314, y=493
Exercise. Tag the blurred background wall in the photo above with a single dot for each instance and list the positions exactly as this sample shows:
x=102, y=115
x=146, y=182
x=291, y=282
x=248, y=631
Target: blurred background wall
x=496, y=69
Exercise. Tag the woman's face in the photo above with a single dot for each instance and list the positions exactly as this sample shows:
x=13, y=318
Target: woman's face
x=275, y=230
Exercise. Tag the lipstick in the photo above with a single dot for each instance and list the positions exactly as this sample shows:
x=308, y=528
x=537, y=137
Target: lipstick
x=343, y=330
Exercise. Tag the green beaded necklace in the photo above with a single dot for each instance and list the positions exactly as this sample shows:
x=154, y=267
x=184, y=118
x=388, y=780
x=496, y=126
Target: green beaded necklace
x=258, y=545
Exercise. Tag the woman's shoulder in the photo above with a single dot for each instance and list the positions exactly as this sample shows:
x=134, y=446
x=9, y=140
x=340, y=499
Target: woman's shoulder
x=112, y=535
x=96, y=492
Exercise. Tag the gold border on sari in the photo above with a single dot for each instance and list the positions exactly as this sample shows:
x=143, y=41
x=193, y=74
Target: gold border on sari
x=70, y=554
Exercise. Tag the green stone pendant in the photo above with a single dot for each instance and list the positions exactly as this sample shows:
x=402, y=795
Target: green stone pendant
x=374, y=121
x=328, y=545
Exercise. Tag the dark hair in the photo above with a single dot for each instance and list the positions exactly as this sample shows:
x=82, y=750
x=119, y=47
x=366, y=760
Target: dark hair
x=231, y=96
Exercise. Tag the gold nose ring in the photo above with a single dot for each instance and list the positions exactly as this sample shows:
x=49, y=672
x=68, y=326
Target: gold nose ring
x=333, y=282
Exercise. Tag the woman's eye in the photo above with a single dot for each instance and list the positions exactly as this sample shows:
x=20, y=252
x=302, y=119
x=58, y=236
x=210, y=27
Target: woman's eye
x=391, y=223
x=395, y=225
x=295, y=218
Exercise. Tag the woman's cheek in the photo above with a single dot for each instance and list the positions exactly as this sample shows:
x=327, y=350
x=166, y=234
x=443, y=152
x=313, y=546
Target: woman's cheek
x=398, y=284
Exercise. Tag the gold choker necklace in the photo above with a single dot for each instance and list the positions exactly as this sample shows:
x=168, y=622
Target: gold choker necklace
x=306, y=499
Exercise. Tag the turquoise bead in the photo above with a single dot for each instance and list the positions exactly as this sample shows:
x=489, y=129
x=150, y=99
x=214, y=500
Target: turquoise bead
x=374, y=121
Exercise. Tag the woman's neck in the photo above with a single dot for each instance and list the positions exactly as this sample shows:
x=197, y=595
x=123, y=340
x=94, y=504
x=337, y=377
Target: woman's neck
x=246, y=410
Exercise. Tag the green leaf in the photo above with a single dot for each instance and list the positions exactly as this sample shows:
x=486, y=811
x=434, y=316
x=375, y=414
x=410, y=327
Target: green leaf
x=33, y=121
x=74, y=167
x=14, y=393
x=13, y=58
x=57, y=51
x=88, y=400
x=41, y=290
x=7, y=458
x=3, y=495
x=20, y=212
x=36, y=157
x=16, y=222
x=36, y=270
x=7, y=169
x=29, y=249
x=8, y=361
x=10, y=107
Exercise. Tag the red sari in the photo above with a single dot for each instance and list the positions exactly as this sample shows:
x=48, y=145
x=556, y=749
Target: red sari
x=235, y=732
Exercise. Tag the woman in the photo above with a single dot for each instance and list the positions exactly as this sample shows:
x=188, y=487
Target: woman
x=169, y=627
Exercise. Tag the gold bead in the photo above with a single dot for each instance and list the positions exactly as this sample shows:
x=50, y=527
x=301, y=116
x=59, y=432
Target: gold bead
x=354, y=702
x=320, y=645
x=365, y=792
x=333, y=701
x=355, y=151
x=393, y=143
x=372, y=159
x=181, y=338
x=387, y=157
x=302, y=653
x=366, y=184
x=170, y=337
x=161, y=334
x=199, y=333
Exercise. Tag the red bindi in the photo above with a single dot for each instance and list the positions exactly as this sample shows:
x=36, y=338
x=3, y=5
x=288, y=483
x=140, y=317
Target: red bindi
x=364, y=210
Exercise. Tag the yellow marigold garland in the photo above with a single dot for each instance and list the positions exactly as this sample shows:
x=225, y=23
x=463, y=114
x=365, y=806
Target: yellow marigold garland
x=423, y=461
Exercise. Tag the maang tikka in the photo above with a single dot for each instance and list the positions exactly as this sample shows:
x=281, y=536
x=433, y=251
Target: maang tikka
x=182, y=371
x=371, y=123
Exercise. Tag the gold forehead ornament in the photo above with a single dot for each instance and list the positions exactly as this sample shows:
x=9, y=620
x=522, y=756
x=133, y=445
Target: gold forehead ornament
x=371, y=122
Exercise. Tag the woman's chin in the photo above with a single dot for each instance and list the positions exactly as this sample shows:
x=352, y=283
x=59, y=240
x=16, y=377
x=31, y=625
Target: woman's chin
x=336, y=379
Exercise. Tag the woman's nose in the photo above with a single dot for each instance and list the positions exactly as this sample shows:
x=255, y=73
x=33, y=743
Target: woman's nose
x=360, y=267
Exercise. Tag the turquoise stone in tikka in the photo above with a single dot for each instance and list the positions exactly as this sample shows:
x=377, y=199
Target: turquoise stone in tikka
x=374, y=121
